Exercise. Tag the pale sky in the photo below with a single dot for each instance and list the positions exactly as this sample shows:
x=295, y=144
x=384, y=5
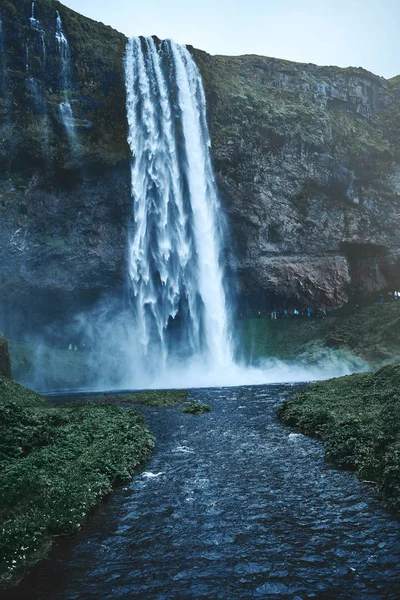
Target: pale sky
x=360, y=33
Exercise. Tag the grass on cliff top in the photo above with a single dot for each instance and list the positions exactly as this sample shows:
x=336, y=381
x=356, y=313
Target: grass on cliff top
x=372, y=335
x=251, y=106
x=358, y=419
x=56, y=463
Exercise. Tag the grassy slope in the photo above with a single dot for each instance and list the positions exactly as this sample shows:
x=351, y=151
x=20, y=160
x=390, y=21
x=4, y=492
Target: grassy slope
x=358, y=419
x=373, y=335
x=55, y=464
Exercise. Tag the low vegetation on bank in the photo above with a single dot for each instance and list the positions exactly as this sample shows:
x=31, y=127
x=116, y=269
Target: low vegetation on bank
x=195, y=408
x=372, y=335
x=358, y=419
x=56, y=463
x=154, y=398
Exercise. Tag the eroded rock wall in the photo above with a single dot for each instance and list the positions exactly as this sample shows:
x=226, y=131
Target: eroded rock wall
x=308, y=164
x=307, y=160
x=64, y=208
x=5, y=361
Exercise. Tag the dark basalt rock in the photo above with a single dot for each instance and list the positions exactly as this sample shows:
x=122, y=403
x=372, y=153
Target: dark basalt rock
x=5, y=361
x=307, y=160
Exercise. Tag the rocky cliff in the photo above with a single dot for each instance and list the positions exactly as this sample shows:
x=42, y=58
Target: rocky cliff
x=307, y=160
x=5, y=361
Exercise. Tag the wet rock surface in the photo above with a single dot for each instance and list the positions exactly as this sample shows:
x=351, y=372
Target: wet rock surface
x=306, y=158
x=5, y=360
x=231, y=506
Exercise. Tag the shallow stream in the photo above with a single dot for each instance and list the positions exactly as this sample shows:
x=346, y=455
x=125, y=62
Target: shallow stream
x=231, y=506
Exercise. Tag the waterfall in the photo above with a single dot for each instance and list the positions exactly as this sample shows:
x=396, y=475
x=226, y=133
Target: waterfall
x=35, y=88
x=35, y=26
x=3, y=86
x=65, y=80
x=175, y=276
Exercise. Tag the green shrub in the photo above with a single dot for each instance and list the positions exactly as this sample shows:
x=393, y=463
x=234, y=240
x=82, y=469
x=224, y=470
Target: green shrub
x=195, y=408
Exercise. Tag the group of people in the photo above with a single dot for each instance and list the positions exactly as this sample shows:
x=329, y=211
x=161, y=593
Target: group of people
x=393, y=295
x=296, y=313
x=308, y=313
x=292, y=312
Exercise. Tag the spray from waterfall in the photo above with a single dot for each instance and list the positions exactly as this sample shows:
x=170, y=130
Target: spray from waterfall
x=65, y=81
x=175, y=276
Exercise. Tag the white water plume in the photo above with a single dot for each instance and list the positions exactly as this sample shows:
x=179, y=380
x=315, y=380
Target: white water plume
x=176, y=279
x=35, y=26
x=180, y=335
x=66, y=113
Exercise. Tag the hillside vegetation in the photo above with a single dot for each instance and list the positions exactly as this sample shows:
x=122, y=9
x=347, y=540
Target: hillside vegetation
x=56, y=463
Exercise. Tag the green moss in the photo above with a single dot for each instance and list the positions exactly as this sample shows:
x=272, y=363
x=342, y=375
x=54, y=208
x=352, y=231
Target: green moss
x=5, y=362
x=53, y=242
x=358, y=419
x=9, y=8
x=11, y=391
x=155, y=398
x=195, y=408
x=55, y=464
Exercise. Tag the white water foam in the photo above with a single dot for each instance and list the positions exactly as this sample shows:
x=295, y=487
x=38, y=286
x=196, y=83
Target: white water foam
x=176, y=279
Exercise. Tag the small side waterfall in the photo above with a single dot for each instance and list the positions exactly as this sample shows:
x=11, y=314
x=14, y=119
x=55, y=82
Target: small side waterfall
x=35, y=26
x=35, y=65
x=176, y=279
x=3, y=71
x=65, y=82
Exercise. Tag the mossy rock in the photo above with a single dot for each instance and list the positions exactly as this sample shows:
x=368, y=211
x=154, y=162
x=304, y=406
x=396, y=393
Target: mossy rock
x=195, y=408
x=157, y=398
x=5, y=360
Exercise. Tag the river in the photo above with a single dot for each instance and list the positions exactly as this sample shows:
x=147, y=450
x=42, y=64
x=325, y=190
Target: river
x=231, y=506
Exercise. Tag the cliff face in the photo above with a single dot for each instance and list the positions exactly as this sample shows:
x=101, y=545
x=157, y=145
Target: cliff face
x=308, y=164
x=64, y=197
x=307, y=160
x=5, y=361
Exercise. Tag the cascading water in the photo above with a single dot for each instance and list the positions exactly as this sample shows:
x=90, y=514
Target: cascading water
x=65, y=106
x=176, y=280
x=35, y=26
x=3, y=71
x=36, y=47
x=180, y=336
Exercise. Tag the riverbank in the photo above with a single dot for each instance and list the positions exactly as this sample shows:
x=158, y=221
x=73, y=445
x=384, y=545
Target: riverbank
x=373, y=335
x=56, y=463
x=358, y=420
